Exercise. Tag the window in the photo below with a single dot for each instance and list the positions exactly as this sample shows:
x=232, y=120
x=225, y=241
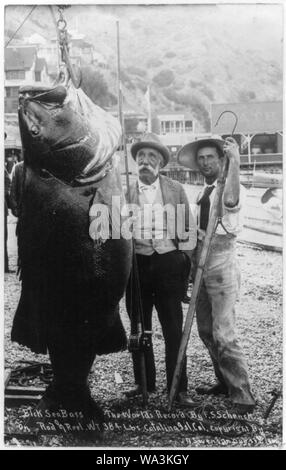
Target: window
x=178, y=126
x=15, y=75
x=11, y=105
x=189, y=126
x=12, y=91
x=260, y=143
x=163, y=130
x=37, y=76
x=264, y=143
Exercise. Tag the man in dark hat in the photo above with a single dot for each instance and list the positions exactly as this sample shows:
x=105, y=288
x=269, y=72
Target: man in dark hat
x=221, y=279
x=163, y=257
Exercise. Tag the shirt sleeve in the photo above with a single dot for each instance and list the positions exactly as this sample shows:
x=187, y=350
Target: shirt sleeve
x=233, y=217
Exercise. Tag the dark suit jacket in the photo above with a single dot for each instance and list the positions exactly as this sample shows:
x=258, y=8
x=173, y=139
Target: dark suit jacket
x=173, y=193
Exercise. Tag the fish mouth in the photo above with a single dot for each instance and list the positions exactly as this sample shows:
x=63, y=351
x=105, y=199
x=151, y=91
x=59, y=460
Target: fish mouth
x=82, y=142
x=43, y=95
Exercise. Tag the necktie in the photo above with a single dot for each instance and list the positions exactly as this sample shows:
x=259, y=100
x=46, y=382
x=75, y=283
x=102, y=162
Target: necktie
x=205, y=207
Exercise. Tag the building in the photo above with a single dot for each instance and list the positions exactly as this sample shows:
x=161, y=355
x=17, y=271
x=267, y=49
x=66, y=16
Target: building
x=176, y=123
x=258, y=131
x=81, y=52
x=22, y=67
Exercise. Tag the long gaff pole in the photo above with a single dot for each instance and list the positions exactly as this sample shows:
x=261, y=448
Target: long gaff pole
x=139, y=323
x=120, y=111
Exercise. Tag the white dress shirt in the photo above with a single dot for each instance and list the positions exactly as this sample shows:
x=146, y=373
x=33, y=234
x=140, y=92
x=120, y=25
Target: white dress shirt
x=149, y=190
x=151, y=229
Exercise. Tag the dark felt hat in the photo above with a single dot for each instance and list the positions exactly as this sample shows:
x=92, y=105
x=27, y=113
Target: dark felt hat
x=188, y=153
x=151, y=140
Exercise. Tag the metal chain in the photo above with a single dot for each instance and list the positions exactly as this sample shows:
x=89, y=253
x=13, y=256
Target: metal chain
x=67, y=70
x=62, y=34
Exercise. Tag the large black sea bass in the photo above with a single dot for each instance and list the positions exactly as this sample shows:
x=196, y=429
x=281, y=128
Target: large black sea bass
x=71, y=286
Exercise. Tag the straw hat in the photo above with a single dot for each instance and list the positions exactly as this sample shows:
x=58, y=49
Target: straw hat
x=188, y=153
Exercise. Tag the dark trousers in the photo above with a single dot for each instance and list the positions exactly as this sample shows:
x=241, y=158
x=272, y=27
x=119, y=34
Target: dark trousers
x=6, y=258
x=162, y=280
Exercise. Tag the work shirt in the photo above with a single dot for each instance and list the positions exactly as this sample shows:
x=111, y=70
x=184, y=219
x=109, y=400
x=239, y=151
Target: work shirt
x=232, y=217
x=151, y=233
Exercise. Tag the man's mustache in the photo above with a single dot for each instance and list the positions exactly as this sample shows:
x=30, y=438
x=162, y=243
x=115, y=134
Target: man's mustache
x=146, y=167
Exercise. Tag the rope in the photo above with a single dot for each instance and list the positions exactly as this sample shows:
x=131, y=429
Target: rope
x=25, y=19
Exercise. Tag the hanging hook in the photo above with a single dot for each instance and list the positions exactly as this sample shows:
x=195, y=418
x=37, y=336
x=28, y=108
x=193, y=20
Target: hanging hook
x=234, y=114
x=72, y=71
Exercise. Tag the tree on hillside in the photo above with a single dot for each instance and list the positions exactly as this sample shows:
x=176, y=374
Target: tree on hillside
x=170, y=54
x=136, y=71
x=244, y=96
x=152, y=63
x=191, y=101
x=164, y=78
x=94, y=85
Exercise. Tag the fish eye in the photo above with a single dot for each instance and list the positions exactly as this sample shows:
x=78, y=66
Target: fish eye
x=35, y=130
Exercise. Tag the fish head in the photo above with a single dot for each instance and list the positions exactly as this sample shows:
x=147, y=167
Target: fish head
x=63, y=132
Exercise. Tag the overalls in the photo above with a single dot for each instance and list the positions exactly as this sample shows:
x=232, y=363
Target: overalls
x=216, y=316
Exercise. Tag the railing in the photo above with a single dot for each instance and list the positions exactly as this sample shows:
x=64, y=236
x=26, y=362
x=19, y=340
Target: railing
x=183, y=175
x=261, y=159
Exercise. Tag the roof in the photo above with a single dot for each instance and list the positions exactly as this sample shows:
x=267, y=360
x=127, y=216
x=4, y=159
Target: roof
x=173, y=114
x=80, y=43
x=19, y=58
x=35, y=39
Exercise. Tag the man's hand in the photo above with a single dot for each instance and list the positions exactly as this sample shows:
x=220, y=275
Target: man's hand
x=232, y=189
x=231, y=150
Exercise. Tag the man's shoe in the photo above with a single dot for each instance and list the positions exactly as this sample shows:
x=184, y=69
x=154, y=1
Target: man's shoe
x=218, y=389
x=135, y=392
x=184, y=400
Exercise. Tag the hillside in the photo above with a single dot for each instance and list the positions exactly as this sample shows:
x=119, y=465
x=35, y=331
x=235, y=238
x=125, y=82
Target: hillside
x=191, y=55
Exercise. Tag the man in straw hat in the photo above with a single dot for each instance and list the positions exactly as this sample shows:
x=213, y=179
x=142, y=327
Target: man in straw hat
x=163, y=257
x=220, y=287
